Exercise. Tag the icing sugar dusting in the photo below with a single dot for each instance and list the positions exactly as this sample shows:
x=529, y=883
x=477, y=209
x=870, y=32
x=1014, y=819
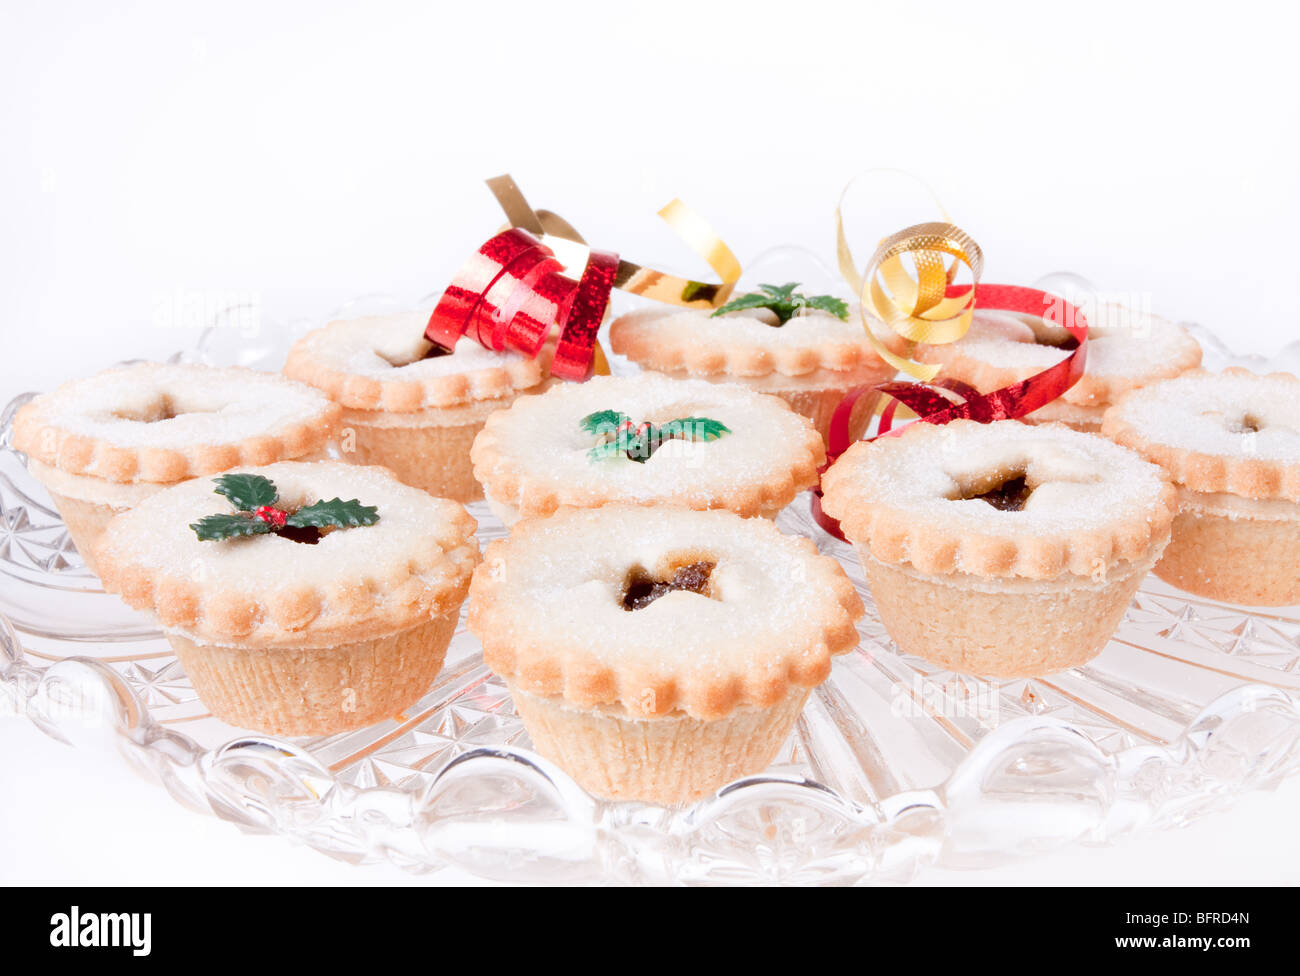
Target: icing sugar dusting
x=811, y=329
x=179, y=406
x=1234, y=416
x=542, y=438
x=1079, y=481
x=1120, y=342
x=393, y=347
x=412, y=523
x=567, y=578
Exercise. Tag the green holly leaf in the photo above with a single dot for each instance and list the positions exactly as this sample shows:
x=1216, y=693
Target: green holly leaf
x=752, y=300
x=695, y=429
x=247, y=492
x=826, y=303
x=781, y=293
x=603, y=452
x=640, y=444
x=216, y=527
x=603, y=421
x=334, y=513
x=785, y=301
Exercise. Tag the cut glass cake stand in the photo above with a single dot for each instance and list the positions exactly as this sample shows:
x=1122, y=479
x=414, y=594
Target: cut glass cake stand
x=894, y=763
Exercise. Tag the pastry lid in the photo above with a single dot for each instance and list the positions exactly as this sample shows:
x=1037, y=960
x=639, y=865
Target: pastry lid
x=548, y=604
x=1236, y=431
x=1126, y=349
x=165, y=422
x=1004, y=499
x=382, y=362
x=538, y=455
x=744, y=344
x=268, y=590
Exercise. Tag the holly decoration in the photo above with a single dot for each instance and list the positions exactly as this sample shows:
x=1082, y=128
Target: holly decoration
x=255, y=497
x=785, y=302
x=638, y=442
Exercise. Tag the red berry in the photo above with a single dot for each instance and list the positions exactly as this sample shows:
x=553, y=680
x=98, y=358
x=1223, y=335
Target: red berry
x=272, y=515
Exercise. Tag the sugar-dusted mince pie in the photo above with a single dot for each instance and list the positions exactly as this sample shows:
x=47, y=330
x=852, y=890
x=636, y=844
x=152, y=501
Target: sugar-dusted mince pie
x=811, y=361
x=104, y=443
x=645, y=440
x=408, y=405
x=286, y=626
x=657, y=654
x=1001, y=549
x=1126, y=350
x=1231, y=443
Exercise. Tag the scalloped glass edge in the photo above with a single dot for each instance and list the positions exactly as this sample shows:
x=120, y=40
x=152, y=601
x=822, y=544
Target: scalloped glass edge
x=508, y=814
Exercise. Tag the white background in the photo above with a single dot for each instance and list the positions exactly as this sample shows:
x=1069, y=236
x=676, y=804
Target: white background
x=158, y=159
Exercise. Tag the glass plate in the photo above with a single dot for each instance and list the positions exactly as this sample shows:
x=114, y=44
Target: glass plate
x=893, y=764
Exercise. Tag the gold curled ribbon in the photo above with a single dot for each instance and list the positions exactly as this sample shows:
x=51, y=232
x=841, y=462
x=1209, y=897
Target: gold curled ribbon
x=920, y=310
x=696, y=233
x=558, y=234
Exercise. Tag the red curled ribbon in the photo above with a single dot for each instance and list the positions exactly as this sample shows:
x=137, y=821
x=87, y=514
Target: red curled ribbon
x=946, y=400
x=513, y=293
